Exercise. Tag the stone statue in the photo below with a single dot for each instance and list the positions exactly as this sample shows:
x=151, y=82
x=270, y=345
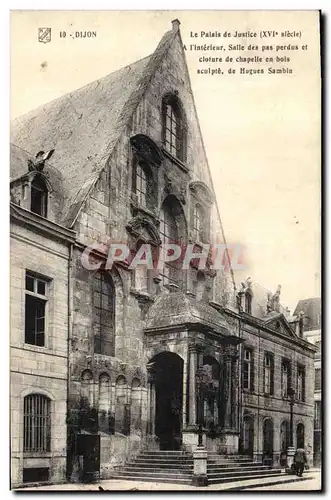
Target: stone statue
x=39, y=162
x=273, y=300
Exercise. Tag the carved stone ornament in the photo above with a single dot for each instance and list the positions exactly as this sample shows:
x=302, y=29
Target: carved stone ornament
x=137, y=223
x=231, y=353
x=146, y=149
x=167, y=184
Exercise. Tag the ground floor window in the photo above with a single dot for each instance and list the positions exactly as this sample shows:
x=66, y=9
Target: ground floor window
x=37, y=423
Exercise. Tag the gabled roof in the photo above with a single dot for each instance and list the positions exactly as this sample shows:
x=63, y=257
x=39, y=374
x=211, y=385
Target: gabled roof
x=83, y=127
x=278, y=322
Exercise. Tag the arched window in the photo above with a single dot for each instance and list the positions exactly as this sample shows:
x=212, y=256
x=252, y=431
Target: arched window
x=103, y=314
x=86, y=388
x=198, y=223
x=39, y=195
x=168, y=234
x=173, y=127
x=37, y=423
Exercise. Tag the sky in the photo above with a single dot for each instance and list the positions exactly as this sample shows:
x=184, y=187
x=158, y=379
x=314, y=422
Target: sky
x=261, y=133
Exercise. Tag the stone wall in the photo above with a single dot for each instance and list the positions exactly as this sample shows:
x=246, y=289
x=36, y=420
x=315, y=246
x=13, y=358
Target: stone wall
x=39, y=369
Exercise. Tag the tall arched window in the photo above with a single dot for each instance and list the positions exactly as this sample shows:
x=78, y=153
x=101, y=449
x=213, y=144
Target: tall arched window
x=104, y=314
x=173, y=127
x=168, y=234
x=37, y=423
x=39, y=195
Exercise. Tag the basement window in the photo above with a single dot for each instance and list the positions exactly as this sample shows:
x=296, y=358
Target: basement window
x=35, y=475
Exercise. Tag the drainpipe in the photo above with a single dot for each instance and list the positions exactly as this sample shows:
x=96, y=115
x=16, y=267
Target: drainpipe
x=258, y=396
x=70, y=308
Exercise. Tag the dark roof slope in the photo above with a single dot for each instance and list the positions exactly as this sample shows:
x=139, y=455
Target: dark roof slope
x=312, y=309
x=84, y=126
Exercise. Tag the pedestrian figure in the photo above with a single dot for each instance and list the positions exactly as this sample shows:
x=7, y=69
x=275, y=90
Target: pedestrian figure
x=300, y=460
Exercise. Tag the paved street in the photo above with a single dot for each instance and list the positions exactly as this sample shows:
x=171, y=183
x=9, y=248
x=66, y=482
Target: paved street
x=312, y=482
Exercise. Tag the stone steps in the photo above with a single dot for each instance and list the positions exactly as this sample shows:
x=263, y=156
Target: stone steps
x=177, y=467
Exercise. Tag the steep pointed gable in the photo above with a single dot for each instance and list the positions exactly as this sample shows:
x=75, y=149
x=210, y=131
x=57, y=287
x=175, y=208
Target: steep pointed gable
x=82, y=127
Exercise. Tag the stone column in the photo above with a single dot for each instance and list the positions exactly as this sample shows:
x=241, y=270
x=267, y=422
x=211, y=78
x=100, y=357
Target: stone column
x=230, y=419
x=228, y=386
x=193, y=363
x=151, y=400
x=184, y=400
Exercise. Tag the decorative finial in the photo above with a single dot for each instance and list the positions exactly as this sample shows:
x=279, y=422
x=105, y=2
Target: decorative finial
x=175, y=24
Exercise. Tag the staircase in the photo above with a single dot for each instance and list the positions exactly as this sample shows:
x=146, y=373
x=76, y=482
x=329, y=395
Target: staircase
x=177, y=467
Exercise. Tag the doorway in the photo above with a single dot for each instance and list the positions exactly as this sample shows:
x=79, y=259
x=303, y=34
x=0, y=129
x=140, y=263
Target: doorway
x=300, y=436
x=248, y=436
x=169, y=399
x=268, y=439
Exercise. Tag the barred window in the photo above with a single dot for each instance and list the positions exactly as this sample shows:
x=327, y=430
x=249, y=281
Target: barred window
x=37, y=423
x=35, y=307
x=104, y=314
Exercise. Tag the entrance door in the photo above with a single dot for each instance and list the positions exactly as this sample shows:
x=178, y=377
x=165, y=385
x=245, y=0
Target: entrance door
x=300, y=436
x=168, y=410
x=248, y=436
x=268, y=440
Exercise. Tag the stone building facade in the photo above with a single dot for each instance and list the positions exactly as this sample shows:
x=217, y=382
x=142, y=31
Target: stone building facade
x=145, y=355
x=311, y=310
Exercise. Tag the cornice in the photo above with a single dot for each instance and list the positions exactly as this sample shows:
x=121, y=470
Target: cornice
x=40, y=224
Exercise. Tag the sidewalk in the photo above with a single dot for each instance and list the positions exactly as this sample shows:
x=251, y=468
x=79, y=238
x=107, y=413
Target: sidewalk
x=310, y=481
